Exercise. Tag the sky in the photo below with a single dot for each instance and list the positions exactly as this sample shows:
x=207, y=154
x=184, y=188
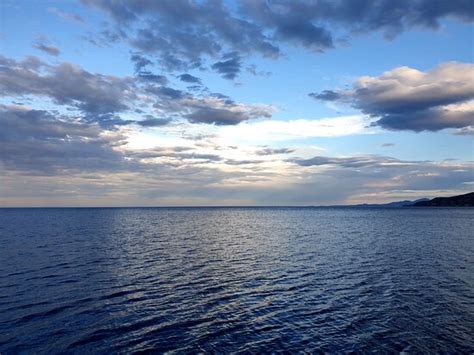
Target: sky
x=235, y=103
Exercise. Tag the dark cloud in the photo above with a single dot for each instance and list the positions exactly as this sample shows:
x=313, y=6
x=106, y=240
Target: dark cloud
x=291, y=21
x=187, y=48
x=190, y=30
x=408, y=99
x=188, y=78
x=40, y=142
x=273, y=151
x=102, y=98
x=182, y=23
x=326, y=95
x=313, y=37
x=66, y=84
x=196, y=88
x=218, y=117
x=184, y=34
x=310, y=23
x=229, y=67
x=170, y=92
x=427, y=120
x=147, y=76
x=151, y=121
x=140, y=62
x=224, y=114
x=211, y=108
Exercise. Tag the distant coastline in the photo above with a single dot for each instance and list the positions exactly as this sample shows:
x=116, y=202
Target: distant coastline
x=465, y=200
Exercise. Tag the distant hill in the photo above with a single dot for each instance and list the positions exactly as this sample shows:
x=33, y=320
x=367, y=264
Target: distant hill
x=396, y=204
x=466, y=200
x=404, y=203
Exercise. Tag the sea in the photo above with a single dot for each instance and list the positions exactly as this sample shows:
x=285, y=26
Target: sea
x=236, y=280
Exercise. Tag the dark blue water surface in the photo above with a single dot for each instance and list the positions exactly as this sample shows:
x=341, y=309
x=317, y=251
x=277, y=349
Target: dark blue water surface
x=236, y=280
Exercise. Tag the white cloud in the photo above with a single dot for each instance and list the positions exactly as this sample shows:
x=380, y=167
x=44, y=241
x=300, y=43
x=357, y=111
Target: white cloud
x=262, y=132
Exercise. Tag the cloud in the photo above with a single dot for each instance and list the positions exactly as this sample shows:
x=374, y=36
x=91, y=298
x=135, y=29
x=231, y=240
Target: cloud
x=68, y=16
x=291, y=21
x=151, y=121
x=42, y=45
x=190, y=30
x=65, y=157
x=175, y=153
x=167, y=92
x=229, y=67
x=252, y=69
x=214, y=109
x=408, y=99
x=380, y=178
x=275, y=131
x=66, y=84
x=313, y=23
x=274, y=151
x=222, y=116
x=140, y=61
x=326, y=95
x=188, y=78
x=50, y=159
x=182, y=34
x=465, y=131
x=101, y=98
x=352, y=162
x=221, y=112
x=147, y=76
x=39, y=142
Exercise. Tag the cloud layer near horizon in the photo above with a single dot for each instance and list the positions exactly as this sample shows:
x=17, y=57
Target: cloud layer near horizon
x=59, y=157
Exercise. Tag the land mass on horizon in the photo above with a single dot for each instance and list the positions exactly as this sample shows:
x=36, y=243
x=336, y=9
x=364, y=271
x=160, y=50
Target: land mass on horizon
x=465, y=200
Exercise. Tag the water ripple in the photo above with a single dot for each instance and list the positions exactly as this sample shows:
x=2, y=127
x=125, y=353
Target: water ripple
x=236, y=280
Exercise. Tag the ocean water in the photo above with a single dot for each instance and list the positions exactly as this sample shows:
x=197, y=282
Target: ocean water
x=237, y=280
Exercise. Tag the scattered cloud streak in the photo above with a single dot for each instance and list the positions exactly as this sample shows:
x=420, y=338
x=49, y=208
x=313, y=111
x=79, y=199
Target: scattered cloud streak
x=68, y=16
x=43, y=45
